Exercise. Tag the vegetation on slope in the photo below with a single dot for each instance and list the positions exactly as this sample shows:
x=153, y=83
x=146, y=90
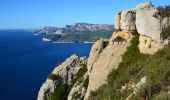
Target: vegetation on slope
x=63, y=89
x=164, y=10
x=84, y=36
x=166, y=33
x=133, y=67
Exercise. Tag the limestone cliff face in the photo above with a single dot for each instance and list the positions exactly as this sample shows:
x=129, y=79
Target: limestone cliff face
x=65, y=73
x=143, y=17
x=94, y=54
x=146, y=19
x=107, y=60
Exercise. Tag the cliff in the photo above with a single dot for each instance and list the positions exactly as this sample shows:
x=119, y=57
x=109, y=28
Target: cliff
x=63, y=76
x=132, y=65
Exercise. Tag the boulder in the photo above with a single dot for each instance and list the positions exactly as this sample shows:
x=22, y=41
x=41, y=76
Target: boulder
x=128, y=20
x=148, y=21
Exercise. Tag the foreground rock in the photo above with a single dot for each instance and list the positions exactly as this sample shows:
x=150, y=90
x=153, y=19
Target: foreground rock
x=108, y=59
x=62, y=74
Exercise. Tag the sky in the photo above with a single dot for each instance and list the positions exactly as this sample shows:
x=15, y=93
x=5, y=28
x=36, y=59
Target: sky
x=24, y=14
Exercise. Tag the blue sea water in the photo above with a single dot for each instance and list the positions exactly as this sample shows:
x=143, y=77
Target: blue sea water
x=26, y=61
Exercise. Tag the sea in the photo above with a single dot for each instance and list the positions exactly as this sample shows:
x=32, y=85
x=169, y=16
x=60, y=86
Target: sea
x=26, y=61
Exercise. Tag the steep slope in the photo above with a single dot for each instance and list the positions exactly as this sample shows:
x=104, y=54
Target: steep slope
x=108, y=59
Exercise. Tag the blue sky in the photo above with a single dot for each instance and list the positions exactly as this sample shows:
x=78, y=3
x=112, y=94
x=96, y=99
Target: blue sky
x=18, y=14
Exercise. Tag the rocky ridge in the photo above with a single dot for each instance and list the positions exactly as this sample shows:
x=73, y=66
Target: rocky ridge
x=146, y=19
x=65, y=73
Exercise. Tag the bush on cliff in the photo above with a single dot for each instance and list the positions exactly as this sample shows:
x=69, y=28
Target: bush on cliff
x=53, y=76
x=133, y=67
x=63, y=89
x=164, y=11
x=166, y=33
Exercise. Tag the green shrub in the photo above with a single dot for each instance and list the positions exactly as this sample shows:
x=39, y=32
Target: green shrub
x=53, y=76
x=86, y=82
x=133, y=67
x=162, y=96
x=119, y=39
x=76, y=96
x=105, y=44
x=63, y=89
x=164, y=11
x=60, y=94
x=166, y=33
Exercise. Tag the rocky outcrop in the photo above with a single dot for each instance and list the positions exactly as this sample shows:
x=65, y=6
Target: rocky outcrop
x=79, y=89
x=147, y=20
x=148, y=17
x=62, y=74
x=150, y=46
x=143, y=17
x=128, y=20
x=117, y=21
x=94, y=53
x=107, y=60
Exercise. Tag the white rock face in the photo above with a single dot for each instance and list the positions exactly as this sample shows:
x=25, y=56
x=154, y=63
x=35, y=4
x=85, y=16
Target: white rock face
x=108, y=60
x=145, y=18
x=165, y=23
x=144, y=5
x=117, y=21
x=47, y=88
x=148, y=21
x=66, y=72
x=94, y=53
x=128, y=20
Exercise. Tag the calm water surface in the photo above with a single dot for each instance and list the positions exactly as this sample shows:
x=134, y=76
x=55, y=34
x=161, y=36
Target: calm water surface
x=25, y=62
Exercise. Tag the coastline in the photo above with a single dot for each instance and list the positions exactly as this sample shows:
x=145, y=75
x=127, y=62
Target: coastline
x=74, y=42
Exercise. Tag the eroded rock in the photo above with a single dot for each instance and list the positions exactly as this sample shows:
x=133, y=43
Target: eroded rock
x=65, y=73
x=94, y=53
x=150, y=46
x=128, y=20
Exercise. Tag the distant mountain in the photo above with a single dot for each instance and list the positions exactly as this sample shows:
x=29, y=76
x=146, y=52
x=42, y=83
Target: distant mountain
x=77, y=33
x=77, y=28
